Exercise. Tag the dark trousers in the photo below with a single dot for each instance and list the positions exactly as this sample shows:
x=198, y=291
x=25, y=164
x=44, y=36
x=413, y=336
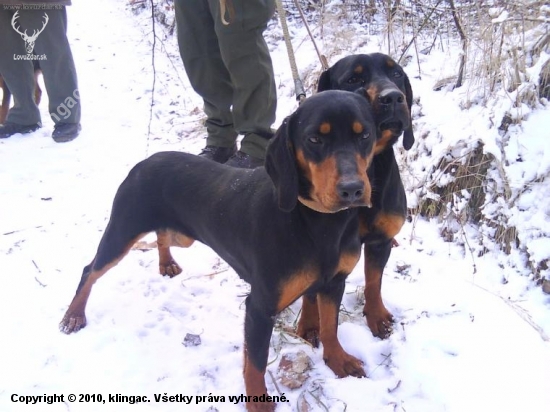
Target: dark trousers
x=229, y=66
x=57, y=65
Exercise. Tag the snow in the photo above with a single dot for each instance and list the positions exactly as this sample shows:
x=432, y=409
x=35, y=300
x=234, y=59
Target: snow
x=471, y=333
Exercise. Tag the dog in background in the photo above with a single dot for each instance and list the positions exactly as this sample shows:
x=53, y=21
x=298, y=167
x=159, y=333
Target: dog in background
x=6, y=94
x=287, y=229
x=390, y=94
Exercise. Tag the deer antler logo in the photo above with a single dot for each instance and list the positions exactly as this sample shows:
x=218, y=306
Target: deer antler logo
x=29, y=40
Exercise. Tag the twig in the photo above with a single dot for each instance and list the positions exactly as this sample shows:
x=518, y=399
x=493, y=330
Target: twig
x=464, y=44
x=317, y=398
x=274, y=382
x=286, y=331
x=521, y=312
x=154, y=75
x=39, y=271
x=21, y=230
x=469, y=247
x=40, y=283
x=392, y=390
x=527, y=186
x=386, y=357
x=426, y=20
x=36, y=266
x=216, y=272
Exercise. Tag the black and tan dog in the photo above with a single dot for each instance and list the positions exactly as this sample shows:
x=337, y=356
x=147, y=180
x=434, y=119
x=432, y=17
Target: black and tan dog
x=390, y=94
x=287, y=229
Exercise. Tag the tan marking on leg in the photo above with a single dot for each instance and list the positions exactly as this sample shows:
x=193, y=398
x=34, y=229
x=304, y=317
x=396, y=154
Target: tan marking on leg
x=165, y=239
x=308, y=324
x=37, y=89
x=295, y=287
x=75, y=317
x=338, y=360
x=254, y=382
x=379, y=319
x=389, y=224
x=347, y=263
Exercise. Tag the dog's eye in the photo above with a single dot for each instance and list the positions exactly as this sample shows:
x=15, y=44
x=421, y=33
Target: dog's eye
x=365, y=136
x=355, y=80
x=314, y=139
x=397, y=74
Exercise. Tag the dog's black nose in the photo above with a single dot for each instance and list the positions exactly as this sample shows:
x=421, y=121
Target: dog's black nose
x=391, y=96
x=351, y=191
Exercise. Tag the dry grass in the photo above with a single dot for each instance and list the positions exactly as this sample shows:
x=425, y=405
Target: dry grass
x=467, y=173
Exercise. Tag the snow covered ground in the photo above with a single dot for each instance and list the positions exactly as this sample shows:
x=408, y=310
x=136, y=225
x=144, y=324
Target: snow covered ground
x=463, y=341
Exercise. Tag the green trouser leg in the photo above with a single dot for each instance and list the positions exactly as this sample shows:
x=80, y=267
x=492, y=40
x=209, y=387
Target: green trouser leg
x=18, y=74
x=57, y=67
x=230, y=67
x=201, y=57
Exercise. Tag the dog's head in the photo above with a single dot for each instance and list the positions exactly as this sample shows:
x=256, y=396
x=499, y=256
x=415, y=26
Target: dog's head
x=389, y=92
x=321, y=153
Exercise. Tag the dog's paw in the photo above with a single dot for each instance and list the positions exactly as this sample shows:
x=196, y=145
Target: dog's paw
x=72, y=323
x=260, y=406
x=343, y=365
x=310, y=335
x=380, y=321
x=170, y=268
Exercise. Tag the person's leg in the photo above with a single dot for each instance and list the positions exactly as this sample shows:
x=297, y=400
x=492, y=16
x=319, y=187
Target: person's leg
x=57, y=66
x=208, y=76
x=246, y=57
x=17, y=73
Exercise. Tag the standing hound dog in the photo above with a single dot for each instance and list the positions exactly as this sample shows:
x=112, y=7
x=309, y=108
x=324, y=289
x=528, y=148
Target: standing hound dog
x=390, y=94
x=287, y=229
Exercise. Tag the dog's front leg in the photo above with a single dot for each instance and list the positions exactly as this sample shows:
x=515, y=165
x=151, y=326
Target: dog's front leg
x=308, y=324
x=336, y=358
x=379, y=319
x=258, y=326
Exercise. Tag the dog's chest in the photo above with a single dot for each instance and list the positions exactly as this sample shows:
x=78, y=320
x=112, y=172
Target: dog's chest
x=347, y=262
x=337, y=256
x=318, y=270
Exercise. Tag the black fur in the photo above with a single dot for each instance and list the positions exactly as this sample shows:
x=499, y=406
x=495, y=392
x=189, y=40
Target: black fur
x=257, y=220
x=389, y=91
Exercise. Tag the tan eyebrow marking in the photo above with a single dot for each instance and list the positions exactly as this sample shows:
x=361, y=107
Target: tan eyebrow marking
x=325, y=128
x=357, y=127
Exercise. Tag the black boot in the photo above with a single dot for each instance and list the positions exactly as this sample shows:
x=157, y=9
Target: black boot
x=9, y=129
x=65, y=132
x=218, y=154
x=244, y=161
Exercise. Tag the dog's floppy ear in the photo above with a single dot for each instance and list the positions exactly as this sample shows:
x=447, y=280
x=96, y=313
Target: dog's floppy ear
x=408, y=137
x=280, y=165
x=324, y=81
